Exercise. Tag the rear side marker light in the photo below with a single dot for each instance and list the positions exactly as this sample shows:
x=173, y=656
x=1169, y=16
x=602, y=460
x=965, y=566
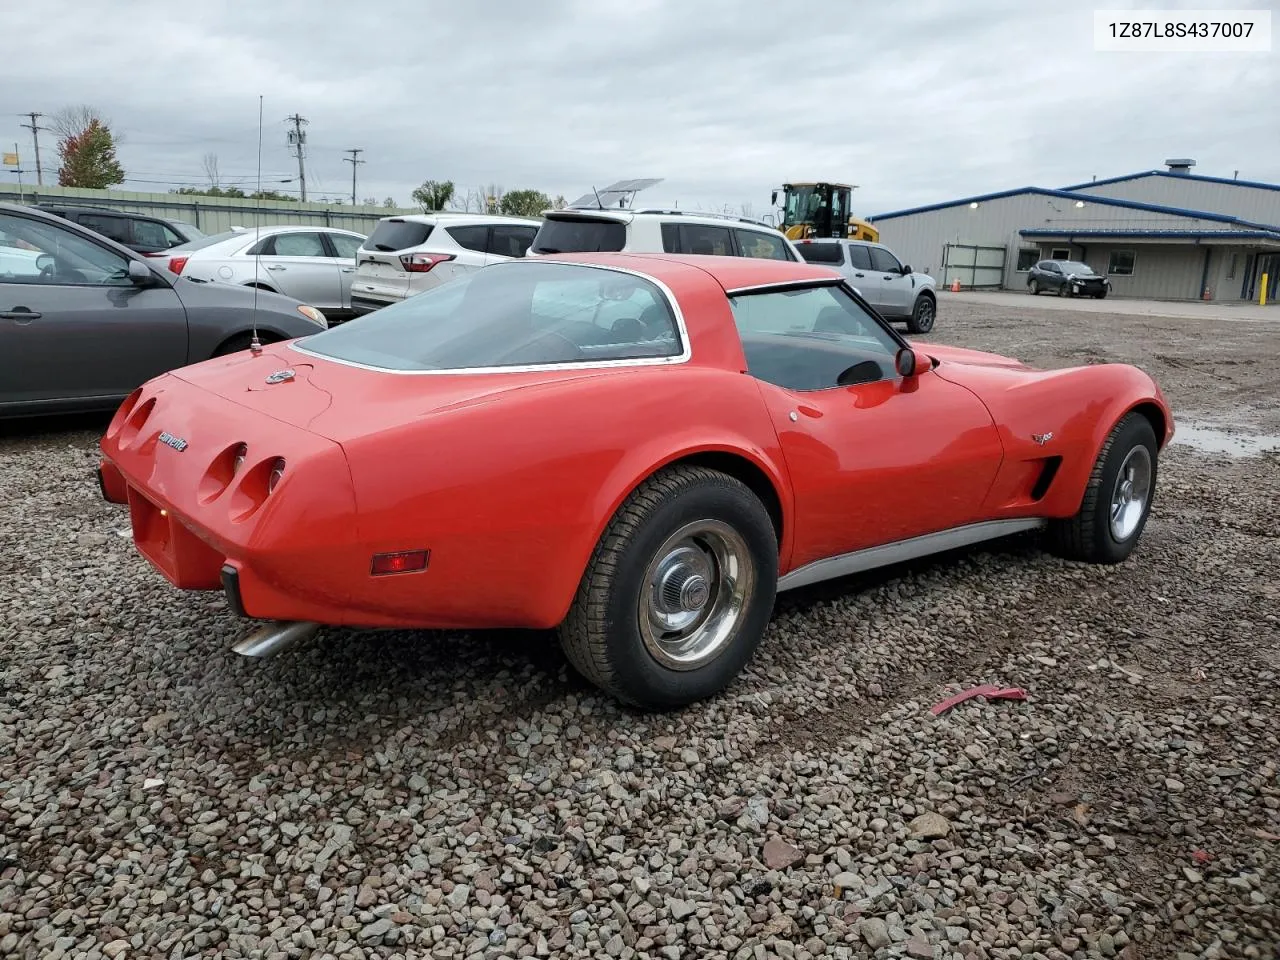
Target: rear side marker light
x=423, y=262
x=177, y=263
x=406, y=561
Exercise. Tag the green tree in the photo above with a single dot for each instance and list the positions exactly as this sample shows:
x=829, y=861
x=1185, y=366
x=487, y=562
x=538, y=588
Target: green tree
x=524, y=203
x=390, y=203
x=89, y=158
x=433, y=194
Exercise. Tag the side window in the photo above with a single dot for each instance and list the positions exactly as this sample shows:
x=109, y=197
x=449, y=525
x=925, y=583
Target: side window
x=671, y=238
x=33, y=251
x=470, y=238
x=113, y=228
x=705, y=239
x=344, y=245
x=299, y=245
x=859, y=258
x=754, y=243
x=1049, y=267
x=814, y=338
x=882, y=259
x=511, y=240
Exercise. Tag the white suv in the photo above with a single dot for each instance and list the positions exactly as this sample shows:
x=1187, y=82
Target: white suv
x=409, y=254
x=579, y=230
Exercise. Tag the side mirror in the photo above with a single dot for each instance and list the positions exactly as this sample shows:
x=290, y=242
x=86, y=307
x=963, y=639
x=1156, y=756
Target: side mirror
x=906, y=269
x=911, y=363
x=140, y=273
x=773, y=201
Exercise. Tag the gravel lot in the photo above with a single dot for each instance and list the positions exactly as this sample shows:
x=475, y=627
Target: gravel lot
x=386, y=794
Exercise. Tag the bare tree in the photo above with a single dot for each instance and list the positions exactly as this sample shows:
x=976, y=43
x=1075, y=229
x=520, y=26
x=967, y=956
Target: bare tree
x=493, y=197
x=75, y=120
x=211, y=169
x=747, y=210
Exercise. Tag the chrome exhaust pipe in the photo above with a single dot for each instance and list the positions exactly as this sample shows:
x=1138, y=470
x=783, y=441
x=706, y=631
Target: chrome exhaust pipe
x=275, y=636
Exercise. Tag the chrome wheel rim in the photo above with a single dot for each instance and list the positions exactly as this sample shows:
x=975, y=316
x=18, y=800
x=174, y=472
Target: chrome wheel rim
x=1131, y=493
x=694, y=594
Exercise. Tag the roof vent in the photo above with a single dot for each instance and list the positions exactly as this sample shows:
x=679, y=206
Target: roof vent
x=1180, y=166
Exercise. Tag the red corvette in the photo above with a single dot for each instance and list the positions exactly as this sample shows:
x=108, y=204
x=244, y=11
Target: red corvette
x=638, y=450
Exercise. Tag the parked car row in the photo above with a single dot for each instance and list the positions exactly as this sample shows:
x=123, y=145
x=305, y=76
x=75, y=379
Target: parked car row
x=94, y=302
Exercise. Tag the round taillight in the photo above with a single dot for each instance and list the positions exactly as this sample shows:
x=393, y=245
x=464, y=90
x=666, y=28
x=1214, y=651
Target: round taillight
x=242, y=451
x=277, y=471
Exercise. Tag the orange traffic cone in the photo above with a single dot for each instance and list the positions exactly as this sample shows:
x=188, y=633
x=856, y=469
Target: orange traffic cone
x=955, y=285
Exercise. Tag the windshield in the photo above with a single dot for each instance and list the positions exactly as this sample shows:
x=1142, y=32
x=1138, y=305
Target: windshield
x=518, y=313
x=1074, y=266
x=802, y=205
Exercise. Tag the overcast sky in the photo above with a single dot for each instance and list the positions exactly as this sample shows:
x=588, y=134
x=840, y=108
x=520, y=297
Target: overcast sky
x=913, y=101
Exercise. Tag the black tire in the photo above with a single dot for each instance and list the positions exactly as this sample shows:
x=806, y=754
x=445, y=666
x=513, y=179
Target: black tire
x=923, y=314
x=1089, y=535
x=1034, y=287
x=604, y=636
x=1063, y=291
x=1101, y=295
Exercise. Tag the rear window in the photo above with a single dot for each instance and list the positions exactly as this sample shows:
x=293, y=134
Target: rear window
x=579, y=235
x=398, y=235
x=821, y=252
x=516, y=313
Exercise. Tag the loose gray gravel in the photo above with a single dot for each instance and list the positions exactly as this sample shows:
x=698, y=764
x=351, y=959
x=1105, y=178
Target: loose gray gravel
x=410, y=795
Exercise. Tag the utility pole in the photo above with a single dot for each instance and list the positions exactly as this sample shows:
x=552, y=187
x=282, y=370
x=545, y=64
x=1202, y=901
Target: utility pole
x=35, y=140
x=353, y=160
x=298, y=139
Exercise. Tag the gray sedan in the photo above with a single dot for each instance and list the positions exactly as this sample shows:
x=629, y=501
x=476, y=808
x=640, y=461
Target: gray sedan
x=85, y=320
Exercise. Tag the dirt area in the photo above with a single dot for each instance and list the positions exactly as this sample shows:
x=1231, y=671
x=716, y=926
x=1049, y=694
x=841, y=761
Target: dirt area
x=444, y=795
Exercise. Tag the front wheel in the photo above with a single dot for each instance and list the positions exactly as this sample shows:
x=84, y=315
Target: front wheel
x=922, y=315
x=678, y=592
x=1101, y=294
x=1034, y=287
x=1117, y=498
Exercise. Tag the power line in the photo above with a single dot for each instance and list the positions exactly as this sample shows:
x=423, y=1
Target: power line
x=35, y=129
x=297, y=139
x=355, y=162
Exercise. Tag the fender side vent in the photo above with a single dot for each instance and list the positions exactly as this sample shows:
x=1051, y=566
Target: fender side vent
x=1050, y=470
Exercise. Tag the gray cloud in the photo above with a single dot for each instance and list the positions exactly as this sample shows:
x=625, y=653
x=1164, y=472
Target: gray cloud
x=915, y=102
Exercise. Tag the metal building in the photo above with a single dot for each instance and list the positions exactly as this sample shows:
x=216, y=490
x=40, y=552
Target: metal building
x=1162, y=234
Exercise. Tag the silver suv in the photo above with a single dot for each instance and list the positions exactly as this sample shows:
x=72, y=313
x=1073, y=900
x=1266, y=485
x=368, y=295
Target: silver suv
x=579, y=230
x=884, y=282
x=409, y=254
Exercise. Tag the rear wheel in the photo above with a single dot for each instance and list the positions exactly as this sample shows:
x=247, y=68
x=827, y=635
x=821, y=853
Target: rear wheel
x=922, y=315
x=1117, y=498
x=1034, y=287
x=678, y=592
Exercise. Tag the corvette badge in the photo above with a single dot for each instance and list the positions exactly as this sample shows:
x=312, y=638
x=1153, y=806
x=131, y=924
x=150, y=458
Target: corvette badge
x=280, y=376
x=1042, y=438
x=169, y=440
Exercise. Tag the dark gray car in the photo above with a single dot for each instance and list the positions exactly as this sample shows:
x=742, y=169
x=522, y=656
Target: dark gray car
x=85, y=320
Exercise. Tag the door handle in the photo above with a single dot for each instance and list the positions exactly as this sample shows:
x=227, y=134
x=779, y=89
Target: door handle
x=20, y=313
x=348, y=269
x=859, y=274
x=275, y=266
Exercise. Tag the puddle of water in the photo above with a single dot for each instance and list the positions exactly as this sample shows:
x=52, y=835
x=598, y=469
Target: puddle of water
x=1211, y=439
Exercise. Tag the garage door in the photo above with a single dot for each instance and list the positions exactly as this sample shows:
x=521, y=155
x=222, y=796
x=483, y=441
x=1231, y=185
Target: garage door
x=974, y=265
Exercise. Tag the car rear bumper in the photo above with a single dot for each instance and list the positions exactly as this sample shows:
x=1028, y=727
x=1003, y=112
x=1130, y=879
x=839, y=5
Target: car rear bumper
x=362, y=305
x=283, y=554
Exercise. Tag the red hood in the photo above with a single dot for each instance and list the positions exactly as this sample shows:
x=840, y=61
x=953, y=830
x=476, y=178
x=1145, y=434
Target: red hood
x=339, y=402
